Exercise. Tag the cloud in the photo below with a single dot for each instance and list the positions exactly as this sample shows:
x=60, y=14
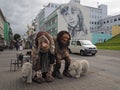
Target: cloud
x=20, y=13
x=113, y=5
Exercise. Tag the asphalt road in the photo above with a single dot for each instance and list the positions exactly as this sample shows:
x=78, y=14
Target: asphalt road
x=105, y=63
x=103, y=74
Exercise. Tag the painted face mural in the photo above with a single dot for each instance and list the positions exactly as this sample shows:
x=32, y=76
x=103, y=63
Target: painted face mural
x=74, y=18
x=71, y=16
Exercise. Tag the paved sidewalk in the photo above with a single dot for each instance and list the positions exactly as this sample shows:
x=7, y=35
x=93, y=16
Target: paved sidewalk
x=10, y=80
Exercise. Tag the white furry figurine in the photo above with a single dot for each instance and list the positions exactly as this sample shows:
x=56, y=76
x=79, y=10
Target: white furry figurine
x=77, y=67
x=27, y=72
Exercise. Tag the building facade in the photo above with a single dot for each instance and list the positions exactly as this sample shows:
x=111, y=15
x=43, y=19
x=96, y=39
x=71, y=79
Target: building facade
x=8, y=34
x=111, y=24
x=2, y=21
x=82, y=22
x=43, y=14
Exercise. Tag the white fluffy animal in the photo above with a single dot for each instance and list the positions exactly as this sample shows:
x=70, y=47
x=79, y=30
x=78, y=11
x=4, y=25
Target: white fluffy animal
x=27, y=72
x=77, y=67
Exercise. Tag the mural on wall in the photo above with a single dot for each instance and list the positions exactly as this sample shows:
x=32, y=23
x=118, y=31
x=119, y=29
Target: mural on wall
x=75, y=21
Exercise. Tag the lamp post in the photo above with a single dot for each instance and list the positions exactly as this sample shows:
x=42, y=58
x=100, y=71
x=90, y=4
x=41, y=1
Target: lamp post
x=31, y=32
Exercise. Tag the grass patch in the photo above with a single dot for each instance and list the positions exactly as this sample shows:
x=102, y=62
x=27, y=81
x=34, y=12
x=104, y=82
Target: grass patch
x=109, y=47
x=111, y=44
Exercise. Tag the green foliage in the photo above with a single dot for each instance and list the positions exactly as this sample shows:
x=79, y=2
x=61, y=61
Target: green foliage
x=17, y=36
x=111, y=44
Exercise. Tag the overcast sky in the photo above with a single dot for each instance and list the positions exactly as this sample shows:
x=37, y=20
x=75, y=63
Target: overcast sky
x=20, y=13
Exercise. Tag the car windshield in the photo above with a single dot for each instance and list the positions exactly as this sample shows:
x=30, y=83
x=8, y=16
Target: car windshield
x=86, y=43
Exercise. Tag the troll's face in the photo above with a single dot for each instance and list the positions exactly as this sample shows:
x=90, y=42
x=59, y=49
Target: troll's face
x=43, y=43
x=63, y=39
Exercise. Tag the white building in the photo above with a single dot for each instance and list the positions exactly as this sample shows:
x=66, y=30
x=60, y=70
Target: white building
x=2, y=21
x=87, y=26
x=82, y=22
x=110, y=24
x=43, y=14
x=97, y=14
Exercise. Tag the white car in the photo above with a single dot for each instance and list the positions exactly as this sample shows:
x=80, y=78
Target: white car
x=84, y=47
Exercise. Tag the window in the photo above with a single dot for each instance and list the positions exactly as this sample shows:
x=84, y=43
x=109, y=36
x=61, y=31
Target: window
x=49, y=22
x=53, y=21
x=55, y=6
x=118, y=18
x=73, y=43
x=115, y=19
x=98, y=23
x=95, y=22
x=111, y=20
x=78, y=43
x=52, y=5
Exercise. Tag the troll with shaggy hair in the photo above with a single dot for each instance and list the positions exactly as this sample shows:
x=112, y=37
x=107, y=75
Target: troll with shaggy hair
x=61, y=53
x=43, y=57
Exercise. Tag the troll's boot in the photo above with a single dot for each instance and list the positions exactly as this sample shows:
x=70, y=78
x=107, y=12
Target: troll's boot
x=66, y=71
x=49, y=77
x=38, y=77
x=56, y=73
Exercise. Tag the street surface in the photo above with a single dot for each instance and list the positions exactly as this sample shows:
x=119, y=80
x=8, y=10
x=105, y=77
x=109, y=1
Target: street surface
x=104, y=74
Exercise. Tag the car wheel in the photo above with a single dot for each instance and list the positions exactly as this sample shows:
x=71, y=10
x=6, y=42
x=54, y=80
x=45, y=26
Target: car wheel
x=81, y=52
x=93, y=54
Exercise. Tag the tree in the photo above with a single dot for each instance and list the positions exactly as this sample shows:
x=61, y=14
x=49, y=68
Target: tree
x=16, y=36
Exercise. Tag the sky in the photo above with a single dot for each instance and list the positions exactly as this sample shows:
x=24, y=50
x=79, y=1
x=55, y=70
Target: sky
x=20, y=13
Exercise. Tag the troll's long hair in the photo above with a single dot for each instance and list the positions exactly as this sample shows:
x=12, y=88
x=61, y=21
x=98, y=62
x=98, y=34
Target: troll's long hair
x=60, y=34
x=48, y=36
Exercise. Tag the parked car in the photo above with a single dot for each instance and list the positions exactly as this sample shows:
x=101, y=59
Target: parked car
x=1, y=44
x=84, y=47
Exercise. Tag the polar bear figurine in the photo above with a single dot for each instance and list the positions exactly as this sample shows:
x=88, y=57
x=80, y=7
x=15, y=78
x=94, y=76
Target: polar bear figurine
x=78, y=67
x=27, y=72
